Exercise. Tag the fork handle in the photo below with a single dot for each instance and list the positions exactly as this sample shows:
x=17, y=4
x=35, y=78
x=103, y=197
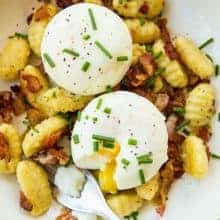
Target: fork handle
x=108, y=214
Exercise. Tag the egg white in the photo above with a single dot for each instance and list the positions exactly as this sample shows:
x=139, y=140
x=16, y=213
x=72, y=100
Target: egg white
x=132, y=116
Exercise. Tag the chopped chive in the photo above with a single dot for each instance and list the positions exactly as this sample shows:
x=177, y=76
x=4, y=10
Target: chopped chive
x=219, y=116
x=85, y=66
x=49, y=60
x=35, y=130
x=71, y=52
x=146, y=158
x=108, y=110
x=103, y=138
x=125, y=162
x=186, y=132
x=94, y=119
x=142, y=21
x=87, y=117
x=132, y=141
x=148, y=48
x=86, y=37
x=133, y=216
x=24, y=36
x=79, y=114
x=209, y=57
x=54, y=94
x=141, y=176
x=108, y=88
x=216, y=69
x=99, y=104
x=120, y=2
x=95, y=146
x=158, y=55
x=215, y=156
x=103, y=49
x=179, y=110
x=122, y=58
x=206, y=43
x=92, y=19
x=182, y=125
x=76, y=139
x=152, y=79
x=107, y=144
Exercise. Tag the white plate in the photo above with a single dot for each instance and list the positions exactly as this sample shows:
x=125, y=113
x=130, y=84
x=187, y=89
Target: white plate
x=189, y=199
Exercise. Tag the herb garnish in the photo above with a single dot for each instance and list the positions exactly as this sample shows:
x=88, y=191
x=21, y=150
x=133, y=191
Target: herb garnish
x=103, y=49
x=206, y=43
x=49, y=60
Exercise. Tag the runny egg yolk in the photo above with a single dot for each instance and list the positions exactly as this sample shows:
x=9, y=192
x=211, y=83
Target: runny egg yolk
x=110, y=153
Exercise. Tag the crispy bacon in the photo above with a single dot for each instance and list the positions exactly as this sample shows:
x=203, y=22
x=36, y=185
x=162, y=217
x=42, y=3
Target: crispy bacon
x=144, y=8
x=18, y=106
x=66, y=214
x=66, y=3
x=50, y=141
x=33, y=83
x=6, y=99
x=162, y=101
x=52, y=156
x=161, y=209
x=148, y=63
x=4, y=148
x=41, y=13
x=165, y=35
x=34, y=116
x=25, y=203
x=204, y=133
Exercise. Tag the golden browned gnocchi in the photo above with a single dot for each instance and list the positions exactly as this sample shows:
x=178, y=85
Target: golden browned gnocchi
x=147, y=32
x=195, y=159
x=35, y=188
x=149, y=189
x=38, y=137
x=195, y=59
x=174, y=73
x=125, y=203
x=10, y=148
x=57, y=100
x=33, y=83
x=155, y=7
x=200, y=105
x=158, y=85
x=39, y=22
x=137, y=51
x=13, y=58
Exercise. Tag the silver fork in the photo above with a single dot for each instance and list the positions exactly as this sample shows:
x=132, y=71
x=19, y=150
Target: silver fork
x=90, y=201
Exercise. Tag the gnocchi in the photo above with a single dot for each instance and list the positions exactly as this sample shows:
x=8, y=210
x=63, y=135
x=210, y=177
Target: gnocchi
x=10, y=148
x=200, y=105
x=195, y=159
x=174, y=73
x=14, y=57
x=147, y=32
x=137, y=51
x=33, y=83
x=56, y=100
x=155, y=7
x=36, y=138
x=194, y=58
x=41, y=18
x=125, y=203
x=38, y=195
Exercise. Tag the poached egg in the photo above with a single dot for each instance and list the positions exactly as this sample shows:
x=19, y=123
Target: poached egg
x=125, y=128
x=86, y=48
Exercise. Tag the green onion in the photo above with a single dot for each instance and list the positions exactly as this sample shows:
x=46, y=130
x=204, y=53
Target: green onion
x=49, y=60
x=122, y=58
x=24, y=36
x=141, y=176
x=133, y=216
x=54, y=94
x=99, y=104
x=35, y=130
x=217, y=70
x=86, y=37
x=125, y=162
x=148, y=48
x=95, y=119
x=142, y=21
x=95, y=146
x=85, y=66
x=108, y=88
x=182, y=125
x=79, y=114
x=107, y=144
x=146, y=158
x=132, y=141
x=215, y=156
x=87, y=117
x=158, y=55
x=179, y=110
x=108, y=110
x=103, y=49
x=103, y=138
x=92, y=19
x=152, y=79
x=120, y=2
x=209, y=57
x=206, y=43
x=76, y=139
x=186, y=131
x=219, y=116
x=71, y=52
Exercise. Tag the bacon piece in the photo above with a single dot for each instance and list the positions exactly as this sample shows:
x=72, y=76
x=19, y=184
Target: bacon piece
x=6, y=99
x=162, y=101
x=66, y=214
x=144, y=8
x=18, y=106
x=41, y=13
x=165, y=35
x=161, y=209
x=204, y=133
x=148, y=63
x=50, y=141
x=34, y=116
x=52, y=156
x=66, y=3
x=29, y=18
x=25, y=203
x=33, y=83
x=4, y=148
